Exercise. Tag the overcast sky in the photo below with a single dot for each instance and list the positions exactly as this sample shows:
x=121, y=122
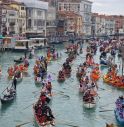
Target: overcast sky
x=108, y=6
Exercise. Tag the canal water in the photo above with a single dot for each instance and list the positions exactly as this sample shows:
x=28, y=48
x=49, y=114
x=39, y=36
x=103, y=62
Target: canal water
x=66, y=104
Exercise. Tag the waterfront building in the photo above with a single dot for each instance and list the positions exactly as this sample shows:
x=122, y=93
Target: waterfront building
x=21, y=8
x=69, y=22
x=81, y=7
x=8, y=20
x=102, y=24
x=36, y=17
x=51, y=21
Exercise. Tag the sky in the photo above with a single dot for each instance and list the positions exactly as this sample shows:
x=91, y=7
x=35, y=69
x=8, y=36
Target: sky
x=112, y=7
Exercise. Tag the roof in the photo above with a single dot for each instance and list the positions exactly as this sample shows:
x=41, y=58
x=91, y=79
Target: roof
x=4, y=6
x=37, y=38
x=35, y=4
x=23, y=40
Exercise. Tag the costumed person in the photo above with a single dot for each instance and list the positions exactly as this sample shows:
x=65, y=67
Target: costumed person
x=14, y=83
x=0, y=70
x=26, y=63
x=49, y=88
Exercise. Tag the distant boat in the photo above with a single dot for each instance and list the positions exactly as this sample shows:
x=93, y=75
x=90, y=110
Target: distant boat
x=9, y=97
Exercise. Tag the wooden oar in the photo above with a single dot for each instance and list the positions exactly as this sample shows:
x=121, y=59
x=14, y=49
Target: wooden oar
x=67, y=123
x=6, y=88
x=106, y=105
x=28, y=106
x=23, y=124
x=106, y=110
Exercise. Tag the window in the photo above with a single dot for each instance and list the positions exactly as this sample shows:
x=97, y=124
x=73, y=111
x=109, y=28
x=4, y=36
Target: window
x=29, y=23
x=35, y=22
x=22, y=8
x=39, y=13
x=29, y=12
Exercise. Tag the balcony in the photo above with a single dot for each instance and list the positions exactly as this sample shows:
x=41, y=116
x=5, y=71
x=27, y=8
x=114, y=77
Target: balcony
x=12, y=23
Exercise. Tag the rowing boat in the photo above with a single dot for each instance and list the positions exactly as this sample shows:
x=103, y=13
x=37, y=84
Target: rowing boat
x=7, y=98
x=42, y=124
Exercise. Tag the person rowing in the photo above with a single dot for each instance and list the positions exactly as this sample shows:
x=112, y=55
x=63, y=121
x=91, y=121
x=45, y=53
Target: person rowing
x=43, y=98
x=14, y=82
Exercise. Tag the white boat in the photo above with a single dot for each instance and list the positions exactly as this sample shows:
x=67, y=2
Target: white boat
x=39, y=43
x=23, y=45
x=89, y=105
x=8, y=42
x=89, y=100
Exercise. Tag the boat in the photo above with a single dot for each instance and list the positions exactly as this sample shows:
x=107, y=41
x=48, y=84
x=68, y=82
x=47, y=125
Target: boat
x=23, y=45
x=18, y=61
x=39, y=123
x=38, y=80
x=89, y=105
x=7, y=98
x=61, y=76
x=39, y=43
x=90, y=101
x=119, y=115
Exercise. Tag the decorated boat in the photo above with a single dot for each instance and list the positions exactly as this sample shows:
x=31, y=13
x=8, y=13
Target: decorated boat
x=95, y=75
x=116, y=82
x=40, y=122
x=61, y=76
x=119, y=110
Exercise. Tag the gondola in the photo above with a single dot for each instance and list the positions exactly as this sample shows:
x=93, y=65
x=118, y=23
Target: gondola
x=18, y=61
x=7, y=98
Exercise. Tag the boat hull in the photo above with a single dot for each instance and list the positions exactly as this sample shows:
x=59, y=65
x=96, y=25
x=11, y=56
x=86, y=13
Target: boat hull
x=118, y=118
x=48, y=124
x=89, y=105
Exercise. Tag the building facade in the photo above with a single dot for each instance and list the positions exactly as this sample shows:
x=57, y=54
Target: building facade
x=51, y=21
x=81, y=7
x=36, y=20
x=8, y=20
x=21, y=8
x=85, y=11
x=71, y=23
x=102, y=24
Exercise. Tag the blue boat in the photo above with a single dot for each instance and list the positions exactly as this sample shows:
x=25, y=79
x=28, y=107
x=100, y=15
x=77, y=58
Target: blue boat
x=119, y=111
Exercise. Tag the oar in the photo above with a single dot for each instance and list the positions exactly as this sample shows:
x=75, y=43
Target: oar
x=6, y=88
x=105, y=110
x=106, y=105
x=28, y=106
x=68, y=124
x=23, y=124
